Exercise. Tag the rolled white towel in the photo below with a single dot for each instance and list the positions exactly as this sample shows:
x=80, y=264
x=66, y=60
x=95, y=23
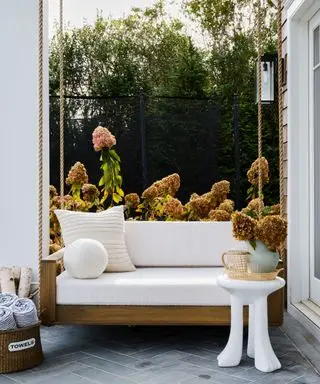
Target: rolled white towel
x=7, y=321
x=25, y=313
x=7, y=299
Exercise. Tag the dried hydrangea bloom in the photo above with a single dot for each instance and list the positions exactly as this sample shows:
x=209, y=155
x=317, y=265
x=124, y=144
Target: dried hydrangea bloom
x=90, y=192
x=211, y=198
x=132, y=200
x=54, y=248
x=220, y=191
x=275, y=209
x=219, y=215
x=272, y=231
x=227, y=205
x=173, y=183
x=246, y=211
x=53, y=192
x=193, y=196
x=173, y=208
x=243, y=226
x=187, y=207
x=74, y=205
x=67, y=202
x=256, y=205
x=68, y=199
x=158, y=200
x=161, y=186
x=53, y=220
x=169, y=185
x=102, y=138
x=253, y=173
x=77, y=175
x=56, y=201
x=150, y=193
x=200, y=206
x=229, y=201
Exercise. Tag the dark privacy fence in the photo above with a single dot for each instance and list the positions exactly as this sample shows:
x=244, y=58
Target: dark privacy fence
x=155, y=137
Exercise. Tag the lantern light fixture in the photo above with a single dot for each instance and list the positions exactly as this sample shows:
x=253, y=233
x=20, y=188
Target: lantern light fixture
x=267, y=78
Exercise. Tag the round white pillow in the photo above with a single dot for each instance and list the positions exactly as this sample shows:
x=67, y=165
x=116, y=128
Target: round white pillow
x=85, y=259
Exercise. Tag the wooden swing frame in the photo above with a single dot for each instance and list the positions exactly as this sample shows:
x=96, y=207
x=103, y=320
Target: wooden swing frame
x=53, y=313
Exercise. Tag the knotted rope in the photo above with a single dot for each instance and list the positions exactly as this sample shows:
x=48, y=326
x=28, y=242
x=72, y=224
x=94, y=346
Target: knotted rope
x=40, y=144
x=62, y=101
x=259, y=46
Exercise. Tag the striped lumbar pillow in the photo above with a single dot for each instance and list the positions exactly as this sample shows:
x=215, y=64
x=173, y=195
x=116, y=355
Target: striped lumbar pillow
x=106, y=227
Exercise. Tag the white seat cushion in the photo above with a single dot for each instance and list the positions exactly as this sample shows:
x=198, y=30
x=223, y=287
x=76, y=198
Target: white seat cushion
x=147, y=286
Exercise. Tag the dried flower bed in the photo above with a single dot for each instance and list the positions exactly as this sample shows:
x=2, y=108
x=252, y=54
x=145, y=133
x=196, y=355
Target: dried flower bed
x=158, y=202
x=257, y=221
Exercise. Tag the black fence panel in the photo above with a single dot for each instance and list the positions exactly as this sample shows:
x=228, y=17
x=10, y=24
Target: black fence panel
x=82, y=116
x=156, y=136
x=181, y=137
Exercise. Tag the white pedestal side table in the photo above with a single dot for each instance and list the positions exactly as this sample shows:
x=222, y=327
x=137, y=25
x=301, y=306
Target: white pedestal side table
x=254, y=294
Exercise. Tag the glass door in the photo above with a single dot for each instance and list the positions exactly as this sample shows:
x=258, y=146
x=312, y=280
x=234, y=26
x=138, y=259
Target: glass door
x=314, y=121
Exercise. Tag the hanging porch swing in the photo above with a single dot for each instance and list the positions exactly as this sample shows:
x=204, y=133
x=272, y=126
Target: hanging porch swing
x=180, y=293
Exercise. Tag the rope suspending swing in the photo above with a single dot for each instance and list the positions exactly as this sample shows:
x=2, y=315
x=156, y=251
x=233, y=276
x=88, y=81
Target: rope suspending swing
x=259, y=43
x=40, y=131
x=62, y=101
x=40, y=143
x=280, y=110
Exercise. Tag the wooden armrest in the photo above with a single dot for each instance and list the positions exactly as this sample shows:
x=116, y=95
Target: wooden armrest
x=54, y=257
x=52, y=266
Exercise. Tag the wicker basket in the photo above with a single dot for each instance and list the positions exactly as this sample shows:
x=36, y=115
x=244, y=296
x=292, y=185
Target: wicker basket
x=235, y=261
x=253, y=276
x=236, y=267
x=20, y=349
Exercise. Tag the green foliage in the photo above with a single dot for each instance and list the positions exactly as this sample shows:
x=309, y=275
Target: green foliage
x=111, y=179
x=149, y=52
x=121, y=57
x=224, y=20
x=231, y=27
x=253, y=244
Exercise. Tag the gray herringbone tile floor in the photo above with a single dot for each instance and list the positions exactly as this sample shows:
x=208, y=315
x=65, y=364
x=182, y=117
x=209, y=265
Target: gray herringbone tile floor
x=154, y=355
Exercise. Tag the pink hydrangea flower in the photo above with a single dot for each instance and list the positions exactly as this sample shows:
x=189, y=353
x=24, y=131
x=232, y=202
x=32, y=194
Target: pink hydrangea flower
x=77, y=174
x=102, y=138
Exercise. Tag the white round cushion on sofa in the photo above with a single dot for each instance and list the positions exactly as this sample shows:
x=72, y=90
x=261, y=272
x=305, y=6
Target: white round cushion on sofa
x=85, y=259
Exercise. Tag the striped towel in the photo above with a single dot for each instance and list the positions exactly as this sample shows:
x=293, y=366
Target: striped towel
x=7, y=299
x=7, y=321
x=25, y=313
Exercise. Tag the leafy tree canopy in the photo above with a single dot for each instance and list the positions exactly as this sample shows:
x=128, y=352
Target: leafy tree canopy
x=143, y=52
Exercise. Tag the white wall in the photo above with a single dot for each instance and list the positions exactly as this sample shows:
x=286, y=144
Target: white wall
x=19, y=133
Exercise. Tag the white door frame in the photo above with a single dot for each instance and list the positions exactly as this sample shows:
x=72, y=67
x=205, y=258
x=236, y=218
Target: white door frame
x=314, y=282
x=299, y=12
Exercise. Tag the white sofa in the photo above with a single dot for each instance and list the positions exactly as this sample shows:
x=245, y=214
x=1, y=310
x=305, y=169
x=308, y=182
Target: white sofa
x=175, y=281
x=177, y=264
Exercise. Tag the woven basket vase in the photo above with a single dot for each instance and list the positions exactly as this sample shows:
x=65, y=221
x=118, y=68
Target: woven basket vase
x=235, y=261
x=20, y=349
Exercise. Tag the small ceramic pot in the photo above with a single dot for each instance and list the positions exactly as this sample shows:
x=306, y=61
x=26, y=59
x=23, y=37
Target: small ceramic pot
x=261, y=259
